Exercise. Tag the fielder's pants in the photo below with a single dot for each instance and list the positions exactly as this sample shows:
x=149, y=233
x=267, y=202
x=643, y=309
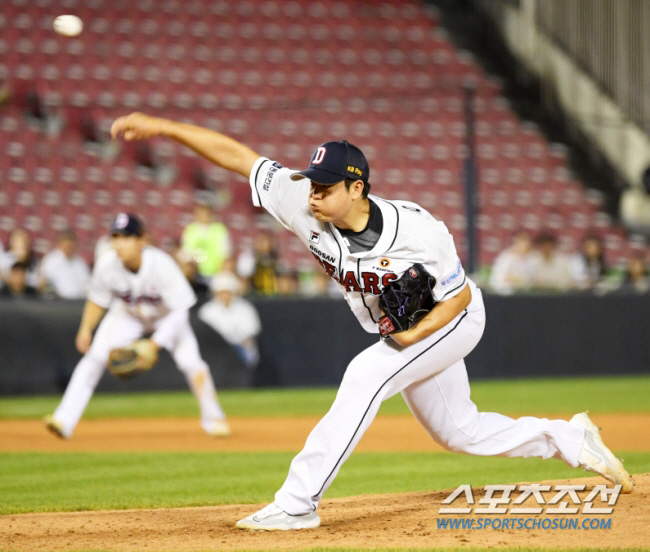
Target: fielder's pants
x=118, y=330
x=431, y=376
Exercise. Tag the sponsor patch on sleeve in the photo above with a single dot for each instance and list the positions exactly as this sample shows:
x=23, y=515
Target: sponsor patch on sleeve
x=453, y=277
x=270, y=173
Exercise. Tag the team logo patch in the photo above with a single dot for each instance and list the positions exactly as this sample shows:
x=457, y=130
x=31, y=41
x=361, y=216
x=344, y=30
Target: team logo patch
x=413, y=273
x=319, y=155
x=315, y=237
x=384, y=262
x=121, y=220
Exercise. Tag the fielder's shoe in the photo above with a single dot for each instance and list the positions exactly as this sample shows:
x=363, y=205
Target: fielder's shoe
x=55, y=426
x=219, y=428
x=273, y=518
x=596, y=457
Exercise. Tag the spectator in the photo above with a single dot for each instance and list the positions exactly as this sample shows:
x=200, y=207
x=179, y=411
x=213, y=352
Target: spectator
x=95, y=140
x=16, y=286
x=635, y=278
x=90, y=134
x=20, y=249
x=5, y=90
x=36, y=111
x=233, y=317
x=589, y=267
x=190, y=270
x=144, y=157
x=64, y=271
x=207, y=240
x=511, y=271
x=550, y=268
x=288, y=282
x=39, y=115
x=260, y=266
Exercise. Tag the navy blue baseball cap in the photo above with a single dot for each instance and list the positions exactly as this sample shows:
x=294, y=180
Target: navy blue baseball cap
x=335, y=161
x=126, y=224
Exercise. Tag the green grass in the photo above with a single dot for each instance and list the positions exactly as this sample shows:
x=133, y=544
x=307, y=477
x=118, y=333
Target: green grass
x=37, y=482
x=34, y=482
x=530, y=396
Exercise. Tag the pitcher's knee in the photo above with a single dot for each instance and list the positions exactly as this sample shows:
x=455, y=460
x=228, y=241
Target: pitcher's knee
x=461, y=439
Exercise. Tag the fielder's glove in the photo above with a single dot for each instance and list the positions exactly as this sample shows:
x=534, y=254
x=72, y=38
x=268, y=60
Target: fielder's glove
x=406, y=300
x=128, y=362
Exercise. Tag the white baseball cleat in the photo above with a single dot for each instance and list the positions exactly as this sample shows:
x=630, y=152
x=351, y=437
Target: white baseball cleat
x=596, y=457
x=274, y=518
x=54, y=425
x=219, y=428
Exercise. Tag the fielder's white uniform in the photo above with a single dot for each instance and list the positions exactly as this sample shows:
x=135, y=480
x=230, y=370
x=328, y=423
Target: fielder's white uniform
x=238, y=323
x=155, y=299
x=430, y=374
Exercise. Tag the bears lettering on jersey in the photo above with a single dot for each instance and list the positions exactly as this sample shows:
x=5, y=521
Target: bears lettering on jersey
x=150, y=299
x=370, y=280
x=350, y=282
x=371, y=283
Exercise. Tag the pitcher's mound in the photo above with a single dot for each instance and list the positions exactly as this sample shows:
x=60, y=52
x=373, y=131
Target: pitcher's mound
x=406, y=520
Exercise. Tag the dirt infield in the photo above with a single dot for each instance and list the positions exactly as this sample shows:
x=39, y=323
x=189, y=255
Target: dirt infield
x=378, y=521
x=375, y=521
x=387, y=433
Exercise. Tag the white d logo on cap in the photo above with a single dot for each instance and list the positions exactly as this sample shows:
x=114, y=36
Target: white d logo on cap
x=121, y=220
x=318, y=156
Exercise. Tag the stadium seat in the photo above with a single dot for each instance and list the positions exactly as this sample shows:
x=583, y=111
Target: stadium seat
x=388, y=79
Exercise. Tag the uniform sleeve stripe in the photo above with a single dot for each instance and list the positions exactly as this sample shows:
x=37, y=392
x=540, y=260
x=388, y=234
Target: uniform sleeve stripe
x=457, y=287
x=396, y=226
x=377, y=393
x=333, y=234
x=259, y=199
x=363, y=299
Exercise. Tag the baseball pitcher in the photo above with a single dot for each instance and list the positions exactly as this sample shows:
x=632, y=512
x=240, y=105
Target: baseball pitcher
x=141, y=290
x=398, y=269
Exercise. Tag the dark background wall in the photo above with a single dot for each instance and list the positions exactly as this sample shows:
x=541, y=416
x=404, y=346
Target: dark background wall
x=309, y=342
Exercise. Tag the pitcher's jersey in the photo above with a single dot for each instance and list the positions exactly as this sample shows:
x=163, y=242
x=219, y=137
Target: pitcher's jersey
x=158, y=288
x=410, y=235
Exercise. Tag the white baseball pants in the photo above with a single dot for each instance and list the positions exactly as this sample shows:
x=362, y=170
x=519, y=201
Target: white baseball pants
x=118, y=330
x=431, y=376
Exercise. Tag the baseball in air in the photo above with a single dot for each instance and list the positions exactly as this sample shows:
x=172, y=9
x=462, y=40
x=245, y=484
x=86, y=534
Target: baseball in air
x=68, y=25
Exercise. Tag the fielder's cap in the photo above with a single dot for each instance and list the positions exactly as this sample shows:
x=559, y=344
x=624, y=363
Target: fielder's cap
x=335, y=161
x=225, y=281
x=126, y=224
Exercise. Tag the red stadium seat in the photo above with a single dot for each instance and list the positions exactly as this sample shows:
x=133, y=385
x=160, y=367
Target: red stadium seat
x=388, y=79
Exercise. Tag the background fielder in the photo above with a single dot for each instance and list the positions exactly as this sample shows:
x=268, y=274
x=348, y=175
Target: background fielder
x=142, y=290
x=365, y=243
